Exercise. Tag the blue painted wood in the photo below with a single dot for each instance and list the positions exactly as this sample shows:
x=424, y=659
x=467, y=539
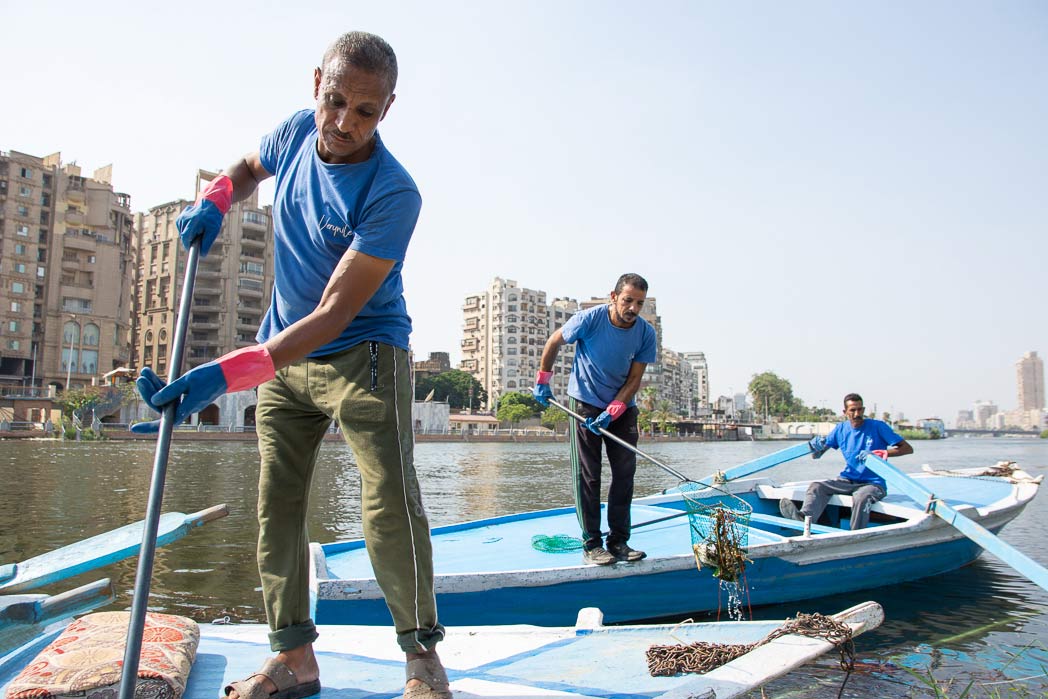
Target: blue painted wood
x=23, y=617
x=763, y=463
x=898, y=480
x=101, y=550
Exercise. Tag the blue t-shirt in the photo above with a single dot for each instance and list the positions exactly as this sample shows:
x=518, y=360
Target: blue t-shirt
x=604, y=354
x=873, y=434
x=319, y=211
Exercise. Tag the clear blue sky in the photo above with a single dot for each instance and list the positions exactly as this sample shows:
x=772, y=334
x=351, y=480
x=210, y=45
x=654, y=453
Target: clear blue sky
x=851, y=195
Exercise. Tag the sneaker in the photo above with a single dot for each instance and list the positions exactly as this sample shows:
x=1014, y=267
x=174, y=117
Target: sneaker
x=788, y=510
x=623, y=552
x=598, y=556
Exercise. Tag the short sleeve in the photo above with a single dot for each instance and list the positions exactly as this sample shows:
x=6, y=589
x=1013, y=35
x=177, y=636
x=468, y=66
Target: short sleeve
x=387, y=225
x=833, y=438
x=572, y=329
x=275, y=143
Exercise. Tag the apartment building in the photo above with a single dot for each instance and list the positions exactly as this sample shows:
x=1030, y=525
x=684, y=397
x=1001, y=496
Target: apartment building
x=700, y=399
x=65, y=288
x=1029, y=371
x=231, y=292
x=676, y=382
x=504, y=330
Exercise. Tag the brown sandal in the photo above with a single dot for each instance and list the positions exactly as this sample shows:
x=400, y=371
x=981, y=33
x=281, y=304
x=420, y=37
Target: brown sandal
x=431, y=673
x=281, y=676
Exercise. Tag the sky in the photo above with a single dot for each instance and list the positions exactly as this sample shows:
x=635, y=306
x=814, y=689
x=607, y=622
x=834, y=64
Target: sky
x=851, y=195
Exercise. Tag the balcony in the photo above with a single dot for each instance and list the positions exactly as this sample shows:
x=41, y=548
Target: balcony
x=252, y=242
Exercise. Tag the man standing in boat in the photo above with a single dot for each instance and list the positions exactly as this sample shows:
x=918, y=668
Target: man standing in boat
x=612, y=346
x=333, y=347
x=855, y=437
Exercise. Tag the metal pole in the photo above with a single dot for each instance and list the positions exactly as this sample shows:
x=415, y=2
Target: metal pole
x=623, y=442
x=140, y=601
x=69, y=362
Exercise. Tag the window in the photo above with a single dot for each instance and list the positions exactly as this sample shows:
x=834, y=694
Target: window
x=26, y=173
x=66, y=352
x=89, y=362
x=17, y=288
x=14, y=344
x=47, y=180
x=20, y=248
x=251, y=268
x=40, y=270
x=20, y=267
x=91, y=334
x=16, y=306
x=90, y=259
x=25, y=191
x=252, y=284
x=23, y=211
x=22, y=230
x=255, y=217
x=12, y=326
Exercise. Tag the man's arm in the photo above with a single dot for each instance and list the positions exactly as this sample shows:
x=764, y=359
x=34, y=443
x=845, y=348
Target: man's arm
x=901, y=448
x=549, y=352
x=246, y=174
x=632, y=385
x=354, y=281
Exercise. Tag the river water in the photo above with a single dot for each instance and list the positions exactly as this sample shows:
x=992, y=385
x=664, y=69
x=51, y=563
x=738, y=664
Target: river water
x=983, y=623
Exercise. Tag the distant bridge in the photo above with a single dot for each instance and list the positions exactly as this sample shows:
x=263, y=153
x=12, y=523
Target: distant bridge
x=996, y=433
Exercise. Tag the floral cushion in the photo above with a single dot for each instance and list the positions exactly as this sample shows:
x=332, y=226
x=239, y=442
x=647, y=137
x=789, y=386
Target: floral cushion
x=86, y=659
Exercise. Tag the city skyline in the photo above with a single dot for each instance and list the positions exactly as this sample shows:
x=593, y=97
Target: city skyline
x=849, y=196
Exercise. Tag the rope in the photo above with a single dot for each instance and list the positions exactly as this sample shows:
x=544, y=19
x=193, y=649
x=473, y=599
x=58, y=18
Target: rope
x=701, y=656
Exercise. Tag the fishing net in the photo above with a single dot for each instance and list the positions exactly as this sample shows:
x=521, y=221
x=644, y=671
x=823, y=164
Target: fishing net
x=556, y=543
x=703, y=656
x=719, y=526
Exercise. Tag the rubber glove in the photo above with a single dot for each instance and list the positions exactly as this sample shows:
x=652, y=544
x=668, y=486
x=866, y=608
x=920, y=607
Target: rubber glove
x=882, y=453
x=204, y=218
x=542, y=392
x=601, y=422
x=818, y=446
x=199, y=387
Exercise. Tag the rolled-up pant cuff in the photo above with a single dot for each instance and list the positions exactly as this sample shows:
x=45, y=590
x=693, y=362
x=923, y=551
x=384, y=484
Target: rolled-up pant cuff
x=420, y=640
x=291, y=637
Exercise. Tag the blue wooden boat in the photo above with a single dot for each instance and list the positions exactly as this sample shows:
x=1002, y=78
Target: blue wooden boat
x=508, y=661
x=487, y=571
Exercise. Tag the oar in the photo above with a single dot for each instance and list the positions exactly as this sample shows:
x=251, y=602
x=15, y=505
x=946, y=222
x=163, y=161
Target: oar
x=98, y=551
x=635, y=450
x=140, y=602
x=973, y=530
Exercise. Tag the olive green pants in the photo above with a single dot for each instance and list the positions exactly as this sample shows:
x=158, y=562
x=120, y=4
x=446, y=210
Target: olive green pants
x=366, y=391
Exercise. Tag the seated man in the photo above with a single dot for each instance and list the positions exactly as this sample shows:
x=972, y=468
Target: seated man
x=855, y=437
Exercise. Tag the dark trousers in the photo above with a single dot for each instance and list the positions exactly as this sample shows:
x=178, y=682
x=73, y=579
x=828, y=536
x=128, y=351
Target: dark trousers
x=586, y=470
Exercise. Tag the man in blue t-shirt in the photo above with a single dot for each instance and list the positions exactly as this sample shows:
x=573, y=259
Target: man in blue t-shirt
x=855, y=437
x=333, y=347
x=612, y=346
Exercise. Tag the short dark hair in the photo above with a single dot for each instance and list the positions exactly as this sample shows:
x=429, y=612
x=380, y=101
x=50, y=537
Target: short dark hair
x=630, y=279
x=366, y=51
x=852, y=398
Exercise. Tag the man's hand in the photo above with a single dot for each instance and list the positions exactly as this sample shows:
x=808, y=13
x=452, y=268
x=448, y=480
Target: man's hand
x=200, y=386
x=204, y=218
x=881, y=453
x=542, y=392
x=601, y=422
x=818, y=446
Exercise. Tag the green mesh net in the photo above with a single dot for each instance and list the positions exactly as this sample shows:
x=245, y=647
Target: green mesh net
x=719, y=526
x=556, y=543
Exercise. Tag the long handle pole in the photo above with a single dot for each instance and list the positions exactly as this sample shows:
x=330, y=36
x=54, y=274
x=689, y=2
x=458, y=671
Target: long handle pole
x=609, y=435
x=144, y=574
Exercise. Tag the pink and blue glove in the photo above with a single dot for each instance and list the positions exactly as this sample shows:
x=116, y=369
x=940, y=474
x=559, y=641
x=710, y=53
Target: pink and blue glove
x=542, y=392
x=204, y=218
x=601, y=422
x=199, y=387
x=882, y=453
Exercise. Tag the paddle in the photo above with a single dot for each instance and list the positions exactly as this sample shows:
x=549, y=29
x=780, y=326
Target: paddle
x=98, y=551
x=140, y=602
x=973, y=530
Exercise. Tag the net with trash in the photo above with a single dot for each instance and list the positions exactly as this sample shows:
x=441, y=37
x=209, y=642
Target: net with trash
x=719, y=526
x=556, y=543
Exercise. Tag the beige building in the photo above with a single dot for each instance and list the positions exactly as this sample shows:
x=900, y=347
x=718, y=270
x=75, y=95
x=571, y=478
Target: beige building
x=1029, y=376
x=504, y=330
x=65, y=287
x=232, y=288
x=700, y=400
